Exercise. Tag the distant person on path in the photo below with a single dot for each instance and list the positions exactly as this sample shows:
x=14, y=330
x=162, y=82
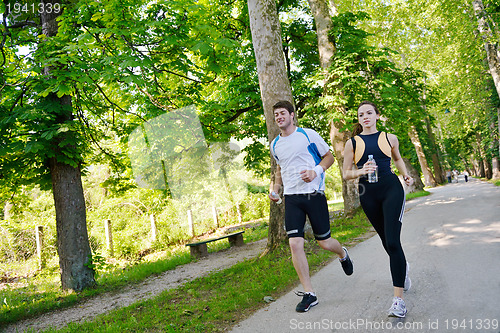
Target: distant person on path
x=466, y=176
x=383, y=201
x=300, y=173
x=455, y=175
x=448, y=176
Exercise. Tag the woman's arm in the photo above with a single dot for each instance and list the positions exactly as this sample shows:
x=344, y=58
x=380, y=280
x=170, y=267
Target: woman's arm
x=398, y=160
x=349, y=170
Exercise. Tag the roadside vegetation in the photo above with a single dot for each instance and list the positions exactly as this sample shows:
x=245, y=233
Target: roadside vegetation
x=194, y=306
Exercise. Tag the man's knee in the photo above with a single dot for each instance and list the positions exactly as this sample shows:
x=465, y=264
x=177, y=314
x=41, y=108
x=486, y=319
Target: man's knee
x=296, y=243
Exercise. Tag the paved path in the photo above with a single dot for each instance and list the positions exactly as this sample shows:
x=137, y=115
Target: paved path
x=452, y=241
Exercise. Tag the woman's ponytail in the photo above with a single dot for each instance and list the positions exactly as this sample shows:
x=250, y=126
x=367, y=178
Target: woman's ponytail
x=357, y=129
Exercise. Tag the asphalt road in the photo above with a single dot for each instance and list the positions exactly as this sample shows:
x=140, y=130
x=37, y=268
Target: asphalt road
x=452, y=241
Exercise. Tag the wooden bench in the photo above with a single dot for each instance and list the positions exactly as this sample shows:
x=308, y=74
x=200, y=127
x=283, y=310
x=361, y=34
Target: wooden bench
x=199, y=249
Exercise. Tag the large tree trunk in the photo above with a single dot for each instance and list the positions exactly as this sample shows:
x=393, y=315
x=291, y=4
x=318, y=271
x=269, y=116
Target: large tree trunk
x=417, y=184
x=491, y=47
x=274, y=86
x=490, y=43
x=438, y=172
x=426, y=171
x=480, y=156
x=72, y=238
x=326, y=47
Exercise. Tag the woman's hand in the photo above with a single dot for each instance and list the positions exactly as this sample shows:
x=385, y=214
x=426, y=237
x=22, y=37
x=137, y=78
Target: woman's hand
x=368, y=167
x=408, y=180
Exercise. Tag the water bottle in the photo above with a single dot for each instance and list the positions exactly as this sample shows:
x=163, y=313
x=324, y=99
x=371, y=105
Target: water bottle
x=276, y=196
x=373, y=176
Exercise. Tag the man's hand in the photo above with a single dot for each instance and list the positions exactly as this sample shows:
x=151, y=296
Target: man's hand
x=308, y=175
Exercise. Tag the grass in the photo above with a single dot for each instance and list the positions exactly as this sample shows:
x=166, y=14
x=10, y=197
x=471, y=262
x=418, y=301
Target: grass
x=197, y=306
x=418, y=194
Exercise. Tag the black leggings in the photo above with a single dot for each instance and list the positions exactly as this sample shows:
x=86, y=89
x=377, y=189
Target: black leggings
x=383, y=203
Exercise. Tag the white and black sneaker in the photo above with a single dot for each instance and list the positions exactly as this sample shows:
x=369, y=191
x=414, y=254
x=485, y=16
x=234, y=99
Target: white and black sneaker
x=398, y=308
x=346, y=263
x=308, y=301
x=407, y=285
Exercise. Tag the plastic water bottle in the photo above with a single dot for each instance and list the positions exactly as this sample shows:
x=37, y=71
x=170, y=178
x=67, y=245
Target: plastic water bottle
x=373, y=176
x=276, y=196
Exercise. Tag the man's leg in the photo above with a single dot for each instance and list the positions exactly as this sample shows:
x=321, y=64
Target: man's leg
x=300, y=262
x=332, y=245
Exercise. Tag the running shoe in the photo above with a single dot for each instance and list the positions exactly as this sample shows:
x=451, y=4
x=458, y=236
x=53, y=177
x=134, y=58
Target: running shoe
x=407, y=285
x=308, y=301
x=346, y=263
x=398, y=308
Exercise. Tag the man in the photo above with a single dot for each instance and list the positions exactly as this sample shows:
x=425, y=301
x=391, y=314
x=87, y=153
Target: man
x=302, y=157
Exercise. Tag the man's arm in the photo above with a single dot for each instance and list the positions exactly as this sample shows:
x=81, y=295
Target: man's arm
x=277, y=184
x=309, y=175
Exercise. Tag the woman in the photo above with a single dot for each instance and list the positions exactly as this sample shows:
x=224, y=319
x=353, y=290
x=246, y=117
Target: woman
x=382, y=201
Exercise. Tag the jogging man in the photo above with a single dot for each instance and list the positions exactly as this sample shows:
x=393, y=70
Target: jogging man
x=302, y=157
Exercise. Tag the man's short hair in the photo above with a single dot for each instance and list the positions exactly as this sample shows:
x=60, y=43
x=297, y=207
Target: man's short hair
x=284, y=105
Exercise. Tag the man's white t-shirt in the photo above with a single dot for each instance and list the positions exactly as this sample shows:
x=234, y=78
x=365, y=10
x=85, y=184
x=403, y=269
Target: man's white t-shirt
x=293, y=157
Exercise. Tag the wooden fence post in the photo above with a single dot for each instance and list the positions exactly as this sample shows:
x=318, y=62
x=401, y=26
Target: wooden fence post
x=154, y=231
x=109, y=237
x=39, y=246
x=215, y=216
x=190, y=222
x=238, y=211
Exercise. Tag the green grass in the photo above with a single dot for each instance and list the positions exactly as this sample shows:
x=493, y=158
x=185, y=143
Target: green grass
x=418, y=194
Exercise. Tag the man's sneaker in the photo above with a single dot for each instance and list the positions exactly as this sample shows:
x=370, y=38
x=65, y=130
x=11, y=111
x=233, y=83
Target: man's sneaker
x=308, y=301
x=407, y=285
x=346, y=263
x=398, y=308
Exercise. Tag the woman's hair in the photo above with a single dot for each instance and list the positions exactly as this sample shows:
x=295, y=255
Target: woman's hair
x=357, y=127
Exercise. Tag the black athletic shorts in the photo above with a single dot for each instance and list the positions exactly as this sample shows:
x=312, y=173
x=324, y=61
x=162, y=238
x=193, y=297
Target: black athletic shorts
x=314, y=205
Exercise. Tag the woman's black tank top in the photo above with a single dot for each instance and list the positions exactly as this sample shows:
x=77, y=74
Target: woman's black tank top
x=376, y=144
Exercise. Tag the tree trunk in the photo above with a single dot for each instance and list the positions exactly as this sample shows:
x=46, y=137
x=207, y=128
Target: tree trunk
x=495, y=163
x=438, y=172
x=326, y=47
x=496, y=168
x=71, y=223
x=490, y=44
x=417, y=184
x=480, y=157
x=274, y=86
x=492, y=52
x=498, y=117
x=426, y=171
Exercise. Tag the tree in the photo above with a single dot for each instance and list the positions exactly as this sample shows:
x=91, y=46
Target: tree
x=274, y=86
x=51, y=115
x=338, y=134
x=492, y=55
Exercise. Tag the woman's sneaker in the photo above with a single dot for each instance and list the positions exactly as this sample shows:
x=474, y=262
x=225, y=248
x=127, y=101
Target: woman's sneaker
x=398, y=308
x=308, y=301
x=346, y=263
x=407, y=285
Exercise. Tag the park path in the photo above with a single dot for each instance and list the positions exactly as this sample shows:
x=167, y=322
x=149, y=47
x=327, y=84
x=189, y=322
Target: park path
x=452, y=241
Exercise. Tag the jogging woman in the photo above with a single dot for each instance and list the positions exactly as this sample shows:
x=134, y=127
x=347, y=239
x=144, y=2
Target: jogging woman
x=383, y=201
